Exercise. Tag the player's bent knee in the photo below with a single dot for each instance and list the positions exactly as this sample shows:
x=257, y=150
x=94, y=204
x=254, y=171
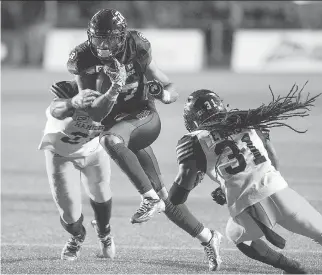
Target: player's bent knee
x=178, y=194
x=109, y=140
x=70, y=216
x=102, y=193
x=234, y=231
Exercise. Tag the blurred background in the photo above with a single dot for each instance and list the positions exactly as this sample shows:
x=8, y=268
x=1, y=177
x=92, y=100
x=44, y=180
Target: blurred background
x=28, y=26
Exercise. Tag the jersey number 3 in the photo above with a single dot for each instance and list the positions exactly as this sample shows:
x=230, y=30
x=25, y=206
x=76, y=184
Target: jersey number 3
x=78, y=137
x=236, y=154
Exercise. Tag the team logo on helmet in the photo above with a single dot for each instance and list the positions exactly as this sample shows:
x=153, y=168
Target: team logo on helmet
x=200, y=106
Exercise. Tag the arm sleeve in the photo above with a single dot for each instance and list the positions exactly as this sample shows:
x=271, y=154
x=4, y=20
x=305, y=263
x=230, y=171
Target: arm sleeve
x=64, y=89
x=189, y=148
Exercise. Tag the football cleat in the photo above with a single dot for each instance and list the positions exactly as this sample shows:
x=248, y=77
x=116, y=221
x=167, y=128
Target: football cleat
x=147, y=209
x=73, y=246
x=105, y=241
x=212, y=251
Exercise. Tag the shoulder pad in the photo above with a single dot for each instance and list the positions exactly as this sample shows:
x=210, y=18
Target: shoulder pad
x=185, y=148
x=64, y=89
x=143, y=47
x=80, y=59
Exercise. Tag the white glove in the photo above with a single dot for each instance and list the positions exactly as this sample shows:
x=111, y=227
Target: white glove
x=84, y=98
x=117, y=75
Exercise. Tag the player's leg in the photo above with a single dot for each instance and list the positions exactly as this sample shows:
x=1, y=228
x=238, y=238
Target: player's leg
x=121, y=141
x=95, y=176
x=246, y=234
x=298, y=215
x=178, y=214
x=65, y=188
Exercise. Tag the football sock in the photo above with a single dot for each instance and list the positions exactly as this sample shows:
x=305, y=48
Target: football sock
x=205, y=236
x=182, y=217
x=150, y=166
x=102, y=213
x=260, y=251
x=131, y=166
x=75, y=228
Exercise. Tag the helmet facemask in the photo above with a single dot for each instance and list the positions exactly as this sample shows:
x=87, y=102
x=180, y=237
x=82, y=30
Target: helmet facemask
x=106, y=33
x=107, y=46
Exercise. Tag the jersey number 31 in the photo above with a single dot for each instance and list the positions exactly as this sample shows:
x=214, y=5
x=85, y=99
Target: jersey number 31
x=236, y=154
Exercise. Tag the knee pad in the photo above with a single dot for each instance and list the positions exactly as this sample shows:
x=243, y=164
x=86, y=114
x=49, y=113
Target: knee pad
x=234, y=231
x=109, y=140
x=178, y=194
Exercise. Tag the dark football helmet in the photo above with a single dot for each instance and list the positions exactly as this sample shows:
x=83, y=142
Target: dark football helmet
x=201, y=105
x=107, y=33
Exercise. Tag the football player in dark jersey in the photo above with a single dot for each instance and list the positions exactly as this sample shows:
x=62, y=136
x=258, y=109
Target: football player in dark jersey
x=233, y=148
x=126, y=107
x=127, y=110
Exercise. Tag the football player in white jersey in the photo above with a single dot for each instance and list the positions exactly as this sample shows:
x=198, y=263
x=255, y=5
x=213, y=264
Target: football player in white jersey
x=73, y=155
x=231, y=149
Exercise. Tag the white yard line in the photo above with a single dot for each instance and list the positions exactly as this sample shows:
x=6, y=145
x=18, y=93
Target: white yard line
x=148, y=247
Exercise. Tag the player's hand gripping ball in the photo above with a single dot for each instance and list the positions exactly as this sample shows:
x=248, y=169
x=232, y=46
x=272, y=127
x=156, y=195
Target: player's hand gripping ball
x=219, y=196
x=117, y=74
x=155, y=88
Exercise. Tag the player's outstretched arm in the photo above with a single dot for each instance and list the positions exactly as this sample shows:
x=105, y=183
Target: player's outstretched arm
x=61, y=108
x=186, y=180
x=102, y=105
x=168, y=92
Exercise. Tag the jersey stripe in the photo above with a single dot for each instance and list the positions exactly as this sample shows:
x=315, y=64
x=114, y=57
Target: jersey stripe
x=185, y=156
x=185, y=148
x=57, y=91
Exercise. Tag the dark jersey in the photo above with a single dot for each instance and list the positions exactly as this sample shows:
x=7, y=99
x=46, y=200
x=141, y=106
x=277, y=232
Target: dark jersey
x=136, y=56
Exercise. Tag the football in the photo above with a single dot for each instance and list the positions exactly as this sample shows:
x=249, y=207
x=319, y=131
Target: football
x=103, y=82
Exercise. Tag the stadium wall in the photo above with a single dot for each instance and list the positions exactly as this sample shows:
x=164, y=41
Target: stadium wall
x=277, y=51
x=173, y=50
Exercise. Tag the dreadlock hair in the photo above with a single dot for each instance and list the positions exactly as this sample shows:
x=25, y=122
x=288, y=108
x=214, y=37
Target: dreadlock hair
x=263, y=117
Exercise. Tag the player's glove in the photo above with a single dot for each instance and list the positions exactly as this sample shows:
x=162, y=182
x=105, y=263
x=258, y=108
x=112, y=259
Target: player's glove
x=219, y=196
x=117, y=75
x=84, y=98
x=155, y=88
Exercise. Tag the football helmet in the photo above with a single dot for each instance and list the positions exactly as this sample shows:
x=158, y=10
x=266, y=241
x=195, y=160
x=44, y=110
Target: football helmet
x=201, y=105
x=107, y=33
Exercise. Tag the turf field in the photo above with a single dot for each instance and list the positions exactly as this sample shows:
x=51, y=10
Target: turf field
x=31, y=235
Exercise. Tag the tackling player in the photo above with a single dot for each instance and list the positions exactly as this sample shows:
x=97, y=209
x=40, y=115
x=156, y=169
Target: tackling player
x=231, y=149
x=73, y=155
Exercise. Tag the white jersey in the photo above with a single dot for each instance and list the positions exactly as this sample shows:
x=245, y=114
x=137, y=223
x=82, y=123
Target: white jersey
x=239, y=164
x=71, y=137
